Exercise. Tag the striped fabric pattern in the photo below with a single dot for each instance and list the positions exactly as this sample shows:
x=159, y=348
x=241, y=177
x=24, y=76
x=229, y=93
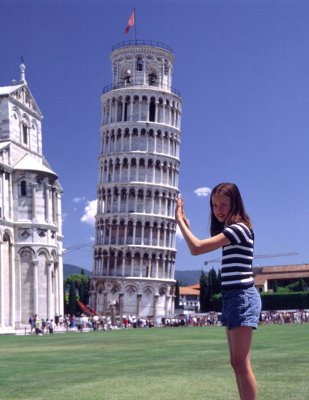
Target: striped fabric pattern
x=237, y=257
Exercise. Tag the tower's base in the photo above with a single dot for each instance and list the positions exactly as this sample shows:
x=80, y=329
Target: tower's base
x=139, y=298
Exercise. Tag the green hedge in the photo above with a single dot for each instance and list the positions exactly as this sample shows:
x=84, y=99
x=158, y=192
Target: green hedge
x=285, y=301
x=274, y=301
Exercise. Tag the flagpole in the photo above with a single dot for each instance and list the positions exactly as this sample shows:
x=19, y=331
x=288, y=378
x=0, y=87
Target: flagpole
x=135, y=25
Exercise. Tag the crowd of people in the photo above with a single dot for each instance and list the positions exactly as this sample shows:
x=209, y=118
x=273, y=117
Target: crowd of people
x=209, y=319
x=96, y=323
x=40, y=326
x=285, y=317
x=70, y=322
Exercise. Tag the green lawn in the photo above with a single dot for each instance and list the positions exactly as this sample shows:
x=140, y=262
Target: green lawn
x=158, y=364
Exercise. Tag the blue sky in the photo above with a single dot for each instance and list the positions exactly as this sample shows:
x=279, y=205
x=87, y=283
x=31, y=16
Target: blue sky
x=242, y=68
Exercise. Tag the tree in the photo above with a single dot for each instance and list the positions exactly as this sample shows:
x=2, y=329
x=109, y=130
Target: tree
x=302, y=285
x=203, y=292
x=214, y=282
x=219, y=281
x=177, y=294
x=209, y=286
x=81, y=284
x=212, y=287
x=72, y=303
x=298, y=286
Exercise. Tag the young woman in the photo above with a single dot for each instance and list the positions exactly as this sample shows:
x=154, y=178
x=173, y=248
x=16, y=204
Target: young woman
x=231, y=229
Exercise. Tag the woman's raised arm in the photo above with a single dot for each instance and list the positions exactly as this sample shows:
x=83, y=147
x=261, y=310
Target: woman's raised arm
x=197, y=246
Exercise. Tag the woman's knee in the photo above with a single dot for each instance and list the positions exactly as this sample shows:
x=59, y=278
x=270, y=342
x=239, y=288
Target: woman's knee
x=240, y=364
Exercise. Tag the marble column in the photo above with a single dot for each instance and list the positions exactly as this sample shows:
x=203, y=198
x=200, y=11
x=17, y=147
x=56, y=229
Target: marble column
x=138, y=305
x=35, y=293
x=1, y=285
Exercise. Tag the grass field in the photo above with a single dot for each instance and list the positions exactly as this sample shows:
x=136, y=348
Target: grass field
x=155, y=364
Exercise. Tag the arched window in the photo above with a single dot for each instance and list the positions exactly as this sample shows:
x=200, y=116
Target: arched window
x=23, y=188
x=126, y=106
x=144, y=108
x=130, y=233
x=25, y=133
x=119, y=109
x=139, y=64
x=152, y=110
x=127, y=77
x=138, y=233
x=166, y=67
x=121, y=235
x=152, y=79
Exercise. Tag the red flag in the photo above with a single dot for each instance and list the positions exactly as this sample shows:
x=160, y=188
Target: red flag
x=131, y=22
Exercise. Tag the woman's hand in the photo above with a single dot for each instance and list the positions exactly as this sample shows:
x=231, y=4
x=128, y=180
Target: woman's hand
x=180, y=214
x=196, y=245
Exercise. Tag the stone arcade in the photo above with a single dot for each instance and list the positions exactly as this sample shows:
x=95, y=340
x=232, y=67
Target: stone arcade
x=134, y=252
x=31, y=267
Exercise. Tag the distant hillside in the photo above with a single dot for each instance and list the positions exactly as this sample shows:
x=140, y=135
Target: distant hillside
x=69, y=269
x=184, y=277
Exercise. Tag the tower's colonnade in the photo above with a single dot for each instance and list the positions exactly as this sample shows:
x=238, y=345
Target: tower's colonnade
x=134, y=252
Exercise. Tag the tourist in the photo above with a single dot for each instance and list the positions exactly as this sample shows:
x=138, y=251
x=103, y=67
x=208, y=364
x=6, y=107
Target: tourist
x=37, y=325
x=50, y=325
x=32, y=323
x=231, y=229
x=57, y=321
x=43, y=325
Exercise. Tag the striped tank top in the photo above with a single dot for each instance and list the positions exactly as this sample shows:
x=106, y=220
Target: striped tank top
x=237, y=257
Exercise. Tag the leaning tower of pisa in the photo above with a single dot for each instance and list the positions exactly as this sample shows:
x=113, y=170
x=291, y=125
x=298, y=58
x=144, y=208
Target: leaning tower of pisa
x=134, y=252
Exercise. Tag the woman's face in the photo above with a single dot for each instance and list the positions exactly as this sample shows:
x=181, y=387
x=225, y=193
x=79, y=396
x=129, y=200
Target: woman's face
x=221, y=206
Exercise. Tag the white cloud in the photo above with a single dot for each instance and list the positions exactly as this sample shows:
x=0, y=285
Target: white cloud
x=90, y=212
x=78, y=199
x=178, y=233
x=64, y=216
x=202, y=192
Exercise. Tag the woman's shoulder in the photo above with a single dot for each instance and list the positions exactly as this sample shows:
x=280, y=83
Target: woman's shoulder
x=239, y=225
x=241, y=230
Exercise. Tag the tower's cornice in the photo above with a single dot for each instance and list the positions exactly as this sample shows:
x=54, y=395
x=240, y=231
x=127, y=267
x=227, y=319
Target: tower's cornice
x=165, y=90
x=142, y=43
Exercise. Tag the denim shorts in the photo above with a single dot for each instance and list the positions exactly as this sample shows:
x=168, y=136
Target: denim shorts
x=240, y=307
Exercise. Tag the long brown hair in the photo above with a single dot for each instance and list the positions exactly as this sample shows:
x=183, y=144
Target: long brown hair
x=237, y=213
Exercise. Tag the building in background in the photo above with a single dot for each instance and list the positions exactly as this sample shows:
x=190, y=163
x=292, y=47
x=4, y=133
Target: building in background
x=134, y=252
x=189, y=298
x=31, y=267
x=267, y=278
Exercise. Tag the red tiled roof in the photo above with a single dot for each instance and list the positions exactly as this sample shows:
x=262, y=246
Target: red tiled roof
x=284, y=269
x=193, y=290
x=196, y=286
x=261, y=279
x=264, y=274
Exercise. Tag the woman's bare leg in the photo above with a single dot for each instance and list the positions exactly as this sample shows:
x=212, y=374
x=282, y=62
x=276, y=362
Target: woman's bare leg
x=239, y=341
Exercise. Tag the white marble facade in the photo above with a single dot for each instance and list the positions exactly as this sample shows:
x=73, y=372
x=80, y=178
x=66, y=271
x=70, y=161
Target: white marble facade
x=31, y=266
x=134, y=252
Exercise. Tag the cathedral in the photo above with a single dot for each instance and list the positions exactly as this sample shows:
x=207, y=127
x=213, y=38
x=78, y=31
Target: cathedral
x=31, y=265
x=135, y=245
